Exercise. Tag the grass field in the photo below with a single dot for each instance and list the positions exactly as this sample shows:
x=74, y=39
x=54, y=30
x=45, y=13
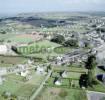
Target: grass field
x=39, y=49
x=16, y=85
x=72, y=68
x=8, y=61
x=63, y=50
x=73, y=75
x=62, y=94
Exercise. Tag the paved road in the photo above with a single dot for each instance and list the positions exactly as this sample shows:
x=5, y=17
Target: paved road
x=92, y=95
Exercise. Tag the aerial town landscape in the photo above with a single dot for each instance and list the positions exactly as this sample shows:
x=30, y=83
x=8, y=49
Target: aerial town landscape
x=52, y=56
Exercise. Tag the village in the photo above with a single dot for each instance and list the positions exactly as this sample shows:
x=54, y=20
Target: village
x=51, y=59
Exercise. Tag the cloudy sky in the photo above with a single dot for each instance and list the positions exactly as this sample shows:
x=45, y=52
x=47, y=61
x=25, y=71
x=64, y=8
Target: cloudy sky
x=16, y=6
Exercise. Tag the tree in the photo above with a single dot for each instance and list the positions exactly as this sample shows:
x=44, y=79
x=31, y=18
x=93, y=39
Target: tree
x=83, y=81
x=48, y=68
x=91, y=62
x=100, y=30
x=90, y=77
x=91, y=65
x=71, y=43
x=87, y=45
x=58, y=39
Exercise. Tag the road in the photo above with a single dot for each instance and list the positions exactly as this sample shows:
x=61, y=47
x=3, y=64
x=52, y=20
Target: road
x=92, y=95
x=40, y=87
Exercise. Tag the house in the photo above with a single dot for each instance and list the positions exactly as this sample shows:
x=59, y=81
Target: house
x=3, y=49
x=30, y=61
x=24, y=73
x=64, y=74
x=2, y=79
x=59, y=58
x=103, y=78
x=3, y=71
x=40, y=70
x=57, y=81
x=22, y=67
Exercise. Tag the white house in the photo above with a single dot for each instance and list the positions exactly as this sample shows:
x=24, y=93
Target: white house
x=59, y=58
x=64, y=74
x=30, y=61
x=3, y=49
x=24, y=73
x=3, y=71
x=22, y=67
x=58, y=82
x=1, y=81
x=40, y=70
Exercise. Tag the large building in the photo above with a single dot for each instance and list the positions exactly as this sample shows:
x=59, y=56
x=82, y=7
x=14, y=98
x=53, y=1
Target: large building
x=3, y=49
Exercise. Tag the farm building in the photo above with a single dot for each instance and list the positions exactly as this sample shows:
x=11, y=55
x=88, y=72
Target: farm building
x=3, y=49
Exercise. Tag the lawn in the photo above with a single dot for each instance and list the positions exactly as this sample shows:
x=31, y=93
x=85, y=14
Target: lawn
x=61, y=94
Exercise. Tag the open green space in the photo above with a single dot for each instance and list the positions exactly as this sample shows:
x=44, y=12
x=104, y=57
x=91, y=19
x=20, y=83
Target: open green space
x=42, y=49
x=61, y=94
x=38, y=46
x=8, y=61
x=20, y=39
x=16, y=85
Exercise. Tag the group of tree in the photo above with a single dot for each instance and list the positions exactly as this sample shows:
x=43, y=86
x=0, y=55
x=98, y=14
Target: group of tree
x=89, y=78
x=58, y=39
x=100, y=29
x=61, y=40
x=3, y=32
x=71, y=43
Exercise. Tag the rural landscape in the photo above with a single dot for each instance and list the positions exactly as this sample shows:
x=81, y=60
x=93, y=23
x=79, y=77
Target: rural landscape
x=52, y=50
x=52, y=56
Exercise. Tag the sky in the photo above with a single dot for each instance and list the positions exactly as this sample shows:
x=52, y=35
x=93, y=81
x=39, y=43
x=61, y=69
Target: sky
x=19, y=6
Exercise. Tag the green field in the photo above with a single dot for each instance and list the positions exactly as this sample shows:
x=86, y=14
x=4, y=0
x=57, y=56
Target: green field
x=61, y=94
x=20, y=40
x=16, y=85
x=8, y=61
x=39, y=49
